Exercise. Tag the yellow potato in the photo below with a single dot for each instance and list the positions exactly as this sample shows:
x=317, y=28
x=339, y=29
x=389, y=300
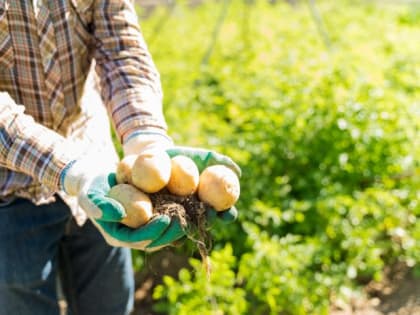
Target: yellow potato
x=151, y=171
x=219, y=187
x=184, y=176
x=124, y=167
x=137, y=204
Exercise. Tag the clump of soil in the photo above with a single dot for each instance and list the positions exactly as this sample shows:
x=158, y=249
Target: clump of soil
x=191, y=213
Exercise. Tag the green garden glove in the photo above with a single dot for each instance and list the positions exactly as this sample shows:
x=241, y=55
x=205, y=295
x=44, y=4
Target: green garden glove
x=79, y=178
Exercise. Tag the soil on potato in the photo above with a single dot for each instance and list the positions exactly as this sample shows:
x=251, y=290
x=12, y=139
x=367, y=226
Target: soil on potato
x=191, y=213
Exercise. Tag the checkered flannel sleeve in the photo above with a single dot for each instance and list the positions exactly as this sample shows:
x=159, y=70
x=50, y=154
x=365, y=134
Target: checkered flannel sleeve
x=28, y=147
x=130, y=82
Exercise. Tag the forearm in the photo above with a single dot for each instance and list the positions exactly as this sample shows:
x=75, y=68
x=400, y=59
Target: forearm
x=30, y=148
x=130, y=82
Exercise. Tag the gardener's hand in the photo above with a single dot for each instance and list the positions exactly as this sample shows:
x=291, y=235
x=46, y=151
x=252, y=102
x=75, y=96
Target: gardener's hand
x=203, y=158
x=90, y=180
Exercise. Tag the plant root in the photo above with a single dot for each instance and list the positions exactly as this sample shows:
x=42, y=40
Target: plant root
x=191, y=213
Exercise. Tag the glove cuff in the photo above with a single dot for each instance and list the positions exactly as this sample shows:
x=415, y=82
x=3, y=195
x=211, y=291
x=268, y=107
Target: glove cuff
x=63, y=175
x=144, y=140
x=74, y=175
x=77, y=172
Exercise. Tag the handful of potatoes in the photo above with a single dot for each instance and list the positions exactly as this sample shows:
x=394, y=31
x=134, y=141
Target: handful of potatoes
x=153, y=170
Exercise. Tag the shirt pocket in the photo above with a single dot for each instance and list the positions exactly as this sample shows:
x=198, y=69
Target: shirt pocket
x=6, y=47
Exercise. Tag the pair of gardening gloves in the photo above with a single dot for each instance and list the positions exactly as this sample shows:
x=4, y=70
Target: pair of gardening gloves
x=90, y=180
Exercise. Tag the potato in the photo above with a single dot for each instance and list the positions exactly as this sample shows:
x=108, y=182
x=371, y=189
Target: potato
x=151, y=171
x=137, y=204
x=184, y=176
x=124, y=167
x=219, y=187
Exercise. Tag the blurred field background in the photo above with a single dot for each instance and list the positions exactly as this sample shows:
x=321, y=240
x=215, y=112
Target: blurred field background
x=319, y=103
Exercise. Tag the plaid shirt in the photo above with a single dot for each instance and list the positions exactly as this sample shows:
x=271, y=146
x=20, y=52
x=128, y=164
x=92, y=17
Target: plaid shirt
x=49, y=110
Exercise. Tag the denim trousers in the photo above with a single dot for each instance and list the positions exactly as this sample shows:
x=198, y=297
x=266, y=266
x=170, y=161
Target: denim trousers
x=43, y=253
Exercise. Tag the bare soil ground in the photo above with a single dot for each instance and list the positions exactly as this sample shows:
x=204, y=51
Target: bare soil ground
x=397, y=294
x=159, y=264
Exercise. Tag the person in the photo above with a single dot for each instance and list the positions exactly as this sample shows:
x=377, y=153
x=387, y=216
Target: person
x=67, y=69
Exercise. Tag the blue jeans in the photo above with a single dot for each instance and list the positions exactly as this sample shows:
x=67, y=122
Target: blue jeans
x=41, y=244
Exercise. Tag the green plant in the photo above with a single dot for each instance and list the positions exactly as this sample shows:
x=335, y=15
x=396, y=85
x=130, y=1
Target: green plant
x=328, y=142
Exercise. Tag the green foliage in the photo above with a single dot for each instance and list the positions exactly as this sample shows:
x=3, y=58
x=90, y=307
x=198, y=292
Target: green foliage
x=328, y=141
x=197, y=295
x=279, y=277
